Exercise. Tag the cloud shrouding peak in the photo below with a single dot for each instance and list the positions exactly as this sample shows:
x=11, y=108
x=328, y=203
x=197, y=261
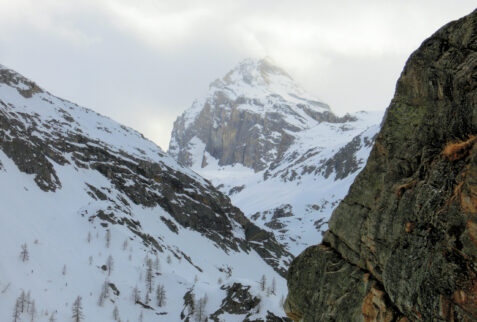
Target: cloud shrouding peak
x=144, y=62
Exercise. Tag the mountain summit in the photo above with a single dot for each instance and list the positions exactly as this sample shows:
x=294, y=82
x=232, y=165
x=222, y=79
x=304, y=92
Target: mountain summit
x=246, y=117
x=257, y=79
x=281, y=155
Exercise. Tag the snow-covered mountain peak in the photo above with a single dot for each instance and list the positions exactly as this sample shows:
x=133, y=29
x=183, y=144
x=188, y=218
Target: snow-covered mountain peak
x=261, y=78
x=255, y=72
x=282, y=156
x=248, y=117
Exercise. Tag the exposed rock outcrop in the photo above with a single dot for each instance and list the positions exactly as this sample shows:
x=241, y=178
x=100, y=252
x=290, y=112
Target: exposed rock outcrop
x=402, y=245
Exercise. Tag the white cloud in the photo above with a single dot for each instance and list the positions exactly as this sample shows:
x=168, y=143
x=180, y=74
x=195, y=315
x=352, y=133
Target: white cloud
x=54, y=17
x=144, y=61
x=158, y=27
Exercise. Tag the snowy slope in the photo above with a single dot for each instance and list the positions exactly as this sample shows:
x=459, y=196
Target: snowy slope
x=91, y=201
x=307, y=156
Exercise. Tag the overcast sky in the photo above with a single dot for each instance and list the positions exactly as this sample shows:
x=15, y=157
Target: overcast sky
x=142, y=62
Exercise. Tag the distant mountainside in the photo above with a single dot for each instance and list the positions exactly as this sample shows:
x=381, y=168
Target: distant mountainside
x=92, y=209
x=402, y=245
x=284, y=158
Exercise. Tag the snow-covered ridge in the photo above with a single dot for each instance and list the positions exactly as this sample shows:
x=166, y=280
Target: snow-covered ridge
x=105, y=215
x=51, y=113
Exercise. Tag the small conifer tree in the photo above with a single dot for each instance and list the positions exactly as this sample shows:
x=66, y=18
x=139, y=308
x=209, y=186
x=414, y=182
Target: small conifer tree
x=110, y=264
x=161, y=295
x=149, y=275
x=24, y=254
x=104, y=293
x=136, y=295
x=17, y=310
x=116, y=313
x=108, y=238
x=77, y=310
x=263, y=283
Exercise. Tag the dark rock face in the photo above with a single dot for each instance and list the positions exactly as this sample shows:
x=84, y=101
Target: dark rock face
x=240, y=301
x=24, y=86
x=237, y=139
x=409, y=222
x=237, y=301
x=320, y=276
x=344, y=161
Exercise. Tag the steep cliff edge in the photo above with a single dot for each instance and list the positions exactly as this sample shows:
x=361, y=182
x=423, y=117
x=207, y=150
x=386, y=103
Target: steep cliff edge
x=402, y=245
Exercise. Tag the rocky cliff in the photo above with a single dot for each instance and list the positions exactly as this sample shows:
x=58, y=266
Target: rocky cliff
x=402, y=245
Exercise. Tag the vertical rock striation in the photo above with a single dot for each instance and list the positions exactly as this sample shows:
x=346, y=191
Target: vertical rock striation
x=402, y=245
